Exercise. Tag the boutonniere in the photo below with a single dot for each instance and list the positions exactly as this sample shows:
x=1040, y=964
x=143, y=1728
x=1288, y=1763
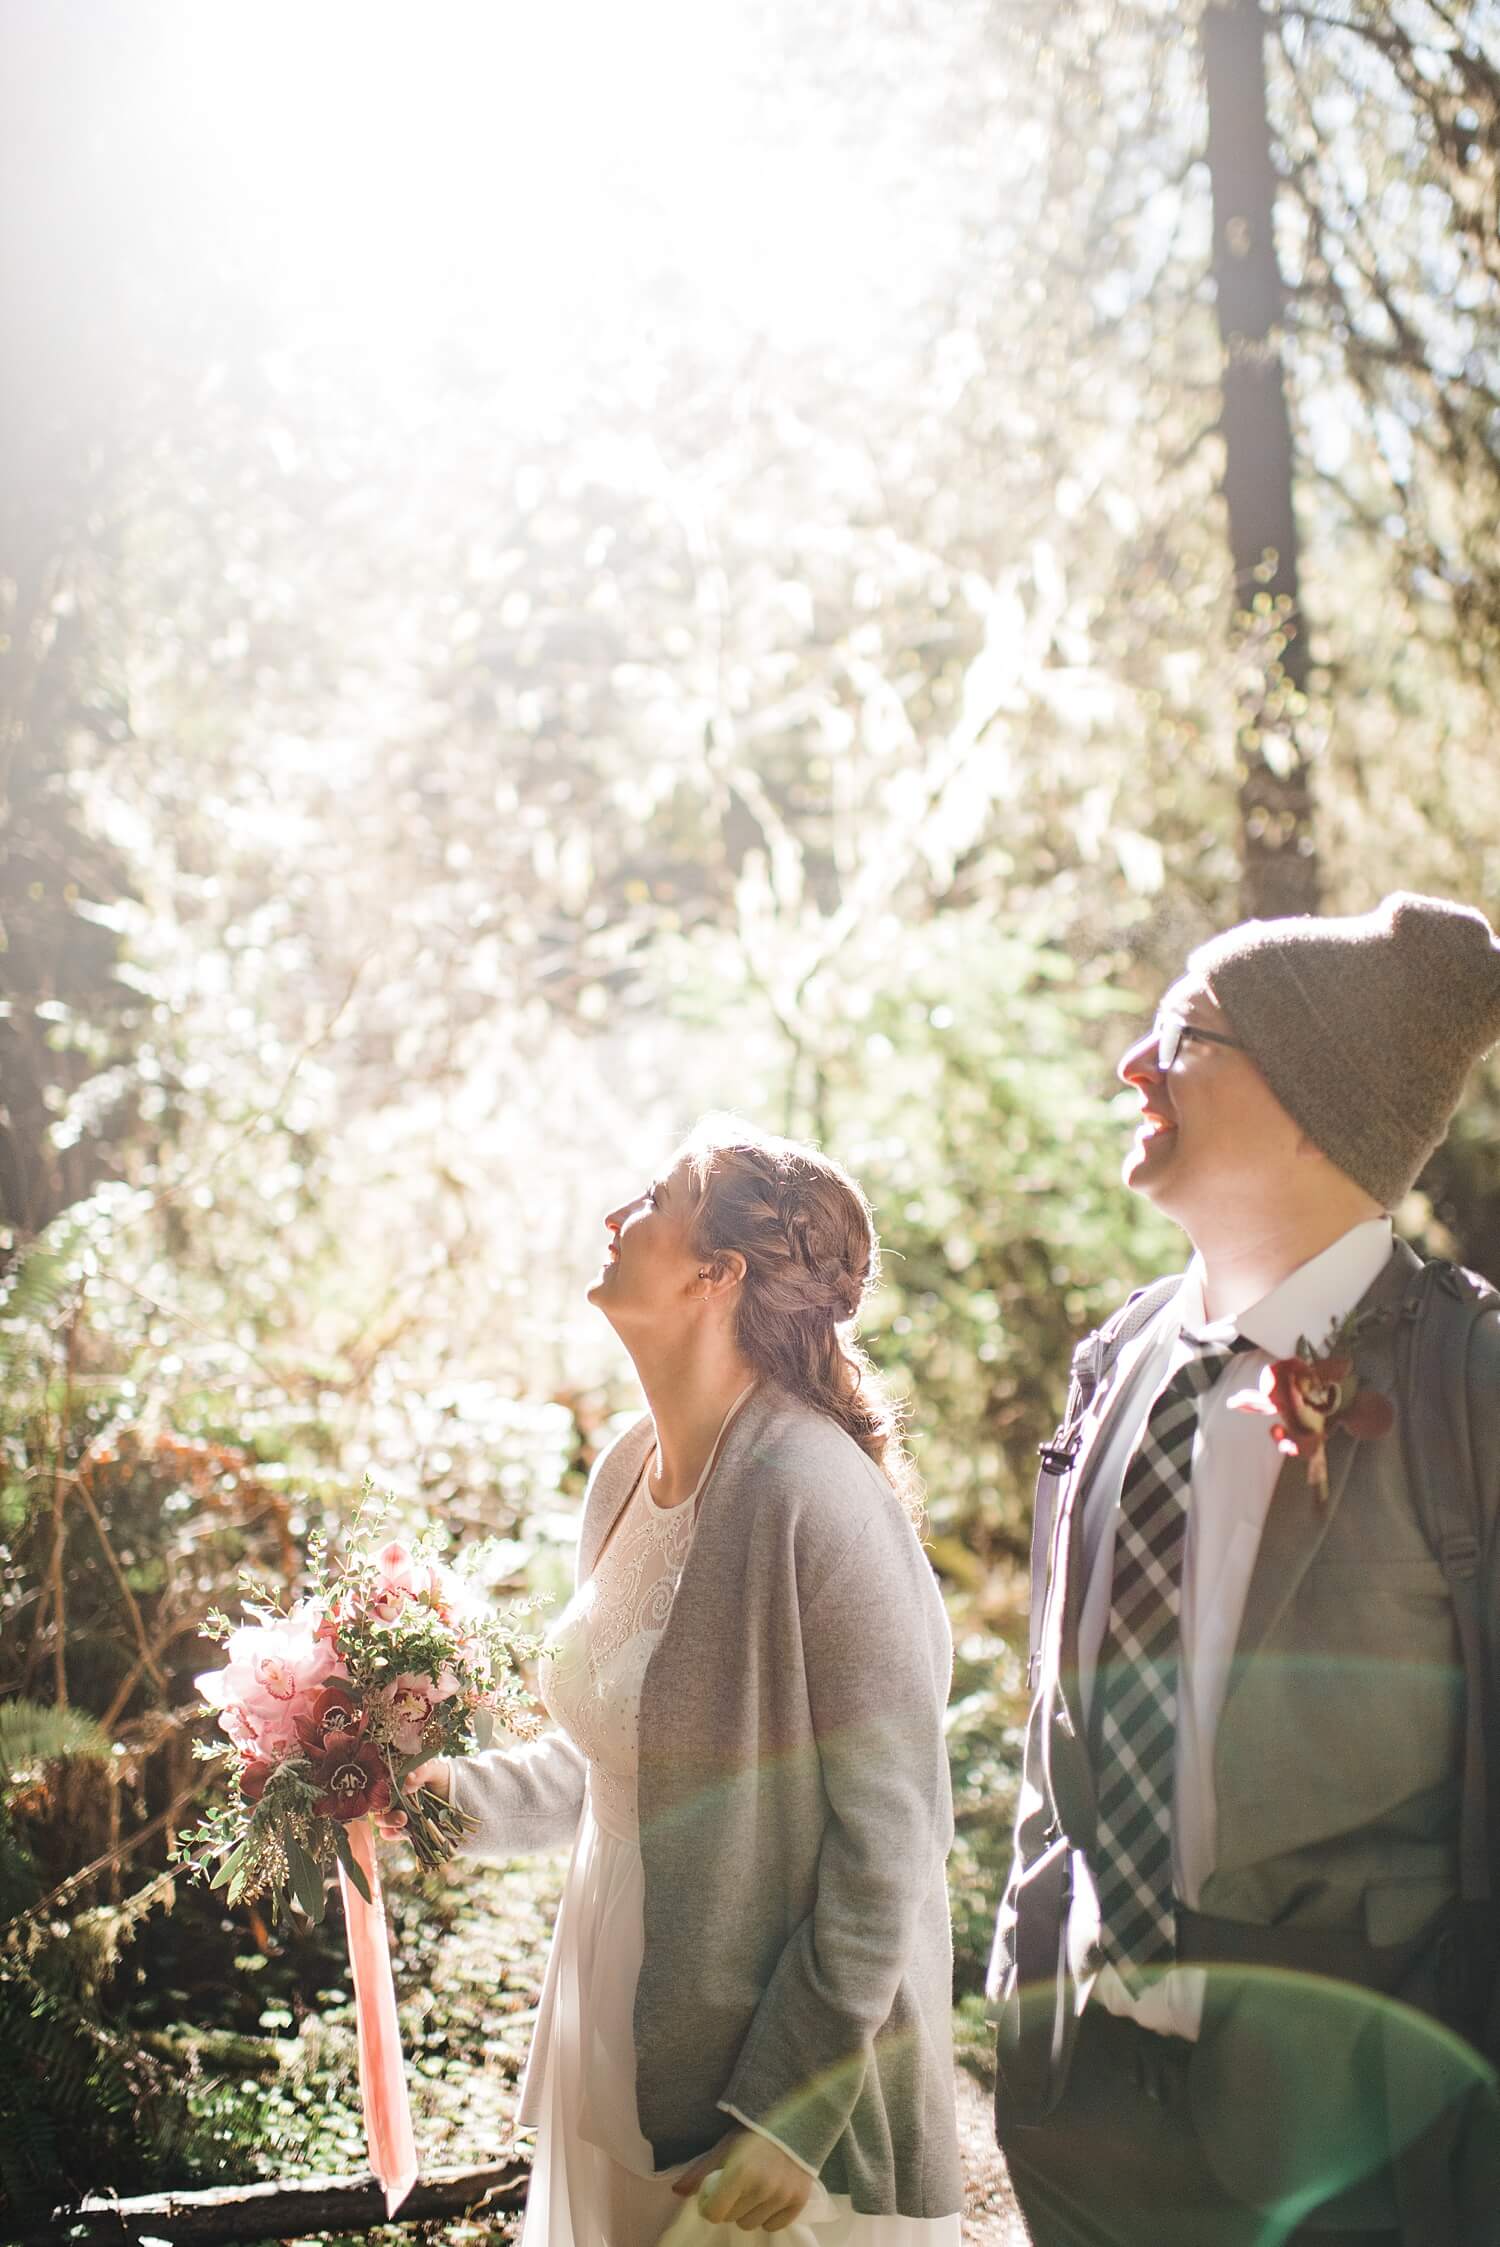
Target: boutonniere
x=1307, y=1396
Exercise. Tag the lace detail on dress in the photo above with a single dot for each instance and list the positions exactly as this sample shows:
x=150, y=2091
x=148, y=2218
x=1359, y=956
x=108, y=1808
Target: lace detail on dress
x=594, y=1657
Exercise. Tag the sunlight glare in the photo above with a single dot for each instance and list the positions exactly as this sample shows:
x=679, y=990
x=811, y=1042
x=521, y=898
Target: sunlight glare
x=388, y=180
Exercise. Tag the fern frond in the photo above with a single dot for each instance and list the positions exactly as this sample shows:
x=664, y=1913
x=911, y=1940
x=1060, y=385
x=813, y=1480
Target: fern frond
x=19, y=1884
x=36, y=1284
x=71, y=2089
x=29, y=2164
x=34, y=1732
x=51, y=1266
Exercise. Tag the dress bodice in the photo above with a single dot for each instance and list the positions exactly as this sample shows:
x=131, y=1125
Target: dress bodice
x=594, y=1657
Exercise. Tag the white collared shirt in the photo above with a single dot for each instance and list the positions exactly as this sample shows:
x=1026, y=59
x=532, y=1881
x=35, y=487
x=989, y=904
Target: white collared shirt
x=1234, y=1472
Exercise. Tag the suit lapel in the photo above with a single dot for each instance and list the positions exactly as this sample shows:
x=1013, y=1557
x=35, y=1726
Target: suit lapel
x=1296, y=1524
x=1297, y=1520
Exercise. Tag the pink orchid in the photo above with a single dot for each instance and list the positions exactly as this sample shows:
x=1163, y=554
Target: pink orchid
x=398, y=1579
x=278, y=1662
x=448, y=1596
x=406, y=1705
x=234, y=1722
x=275, y=1730
x=273, y=1671
x=267, y=1731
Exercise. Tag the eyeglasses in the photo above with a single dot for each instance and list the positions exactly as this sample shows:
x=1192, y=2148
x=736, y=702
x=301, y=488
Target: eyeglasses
x=1170, y=1030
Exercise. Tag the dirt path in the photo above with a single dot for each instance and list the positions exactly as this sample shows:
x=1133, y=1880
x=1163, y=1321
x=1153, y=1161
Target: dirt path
x=991, y=2218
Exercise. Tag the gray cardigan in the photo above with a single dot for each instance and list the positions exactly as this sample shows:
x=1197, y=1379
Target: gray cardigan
x=795, y=1817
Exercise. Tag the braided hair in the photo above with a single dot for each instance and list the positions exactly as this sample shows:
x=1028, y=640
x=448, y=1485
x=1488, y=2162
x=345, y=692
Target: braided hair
x=805, y=1231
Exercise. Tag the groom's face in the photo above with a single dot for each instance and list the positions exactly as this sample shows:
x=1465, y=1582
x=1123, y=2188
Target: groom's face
x=1211, y=1133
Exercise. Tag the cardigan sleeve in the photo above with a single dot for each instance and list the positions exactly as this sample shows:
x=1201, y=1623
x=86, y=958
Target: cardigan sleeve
x=878, y=1658
x=523, y=1799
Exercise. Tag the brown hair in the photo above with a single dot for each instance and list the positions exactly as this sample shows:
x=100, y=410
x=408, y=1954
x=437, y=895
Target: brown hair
x=811, y=1256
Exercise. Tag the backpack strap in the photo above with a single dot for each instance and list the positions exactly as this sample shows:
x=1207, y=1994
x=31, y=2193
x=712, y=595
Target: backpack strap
x=1435, y=1324
x=1435, y=1321
x=1093, y=1362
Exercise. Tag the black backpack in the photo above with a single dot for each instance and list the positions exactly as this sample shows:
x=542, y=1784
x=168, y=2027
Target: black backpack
x=1436, y=1321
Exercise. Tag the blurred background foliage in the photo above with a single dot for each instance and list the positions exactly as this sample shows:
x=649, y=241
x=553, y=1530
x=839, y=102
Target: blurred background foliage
x=554, y=577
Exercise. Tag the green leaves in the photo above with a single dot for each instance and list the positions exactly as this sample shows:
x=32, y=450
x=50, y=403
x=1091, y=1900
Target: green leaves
x=229, y=1867
x=307, y=1879
x=349, y=1862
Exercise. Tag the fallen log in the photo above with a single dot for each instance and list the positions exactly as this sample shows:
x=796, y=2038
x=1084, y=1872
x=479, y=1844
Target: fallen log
x=235, y=2215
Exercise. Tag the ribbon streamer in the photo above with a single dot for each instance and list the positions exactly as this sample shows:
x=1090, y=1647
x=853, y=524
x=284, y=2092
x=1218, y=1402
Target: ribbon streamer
x=382, y=2077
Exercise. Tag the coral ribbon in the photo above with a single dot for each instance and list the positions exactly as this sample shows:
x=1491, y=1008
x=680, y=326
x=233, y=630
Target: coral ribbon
x=382, y=2078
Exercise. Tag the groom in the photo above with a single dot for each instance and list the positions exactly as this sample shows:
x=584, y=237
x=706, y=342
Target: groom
x=1245, y=1964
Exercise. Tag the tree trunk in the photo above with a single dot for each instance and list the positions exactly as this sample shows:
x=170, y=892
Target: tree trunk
x=239, y=2213
x=1278, y=859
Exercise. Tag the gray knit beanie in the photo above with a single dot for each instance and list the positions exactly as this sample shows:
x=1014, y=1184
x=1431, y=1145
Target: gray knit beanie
x=1366, y=1027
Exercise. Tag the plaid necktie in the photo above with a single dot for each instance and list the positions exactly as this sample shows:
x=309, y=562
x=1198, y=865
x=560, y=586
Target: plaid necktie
x=1135, y=1693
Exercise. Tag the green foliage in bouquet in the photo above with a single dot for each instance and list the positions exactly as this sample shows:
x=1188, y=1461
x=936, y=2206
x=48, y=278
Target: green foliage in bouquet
x=332, y=1704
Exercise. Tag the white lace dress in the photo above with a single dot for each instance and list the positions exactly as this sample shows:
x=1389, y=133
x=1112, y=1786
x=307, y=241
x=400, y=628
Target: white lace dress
x=592, y=2181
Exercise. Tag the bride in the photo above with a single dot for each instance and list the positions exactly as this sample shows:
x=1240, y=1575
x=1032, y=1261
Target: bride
x=744, y=2026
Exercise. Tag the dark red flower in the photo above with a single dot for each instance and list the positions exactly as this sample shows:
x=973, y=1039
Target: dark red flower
x=254, y=1772
x=335, y=1714
x=1305, y=1399
x=353, y=1779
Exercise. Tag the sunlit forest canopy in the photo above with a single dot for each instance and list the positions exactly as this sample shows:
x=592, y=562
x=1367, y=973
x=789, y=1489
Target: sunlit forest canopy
x=560, y=573
x=564, y=567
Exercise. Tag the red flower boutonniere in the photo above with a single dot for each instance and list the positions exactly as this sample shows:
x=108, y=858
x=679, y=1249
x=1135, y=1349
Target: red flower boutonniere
x=1307, y=1396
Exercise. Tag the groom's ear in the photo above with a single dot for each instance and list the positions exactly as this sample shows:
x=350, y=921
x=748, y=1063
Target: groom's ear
x=719, y=1274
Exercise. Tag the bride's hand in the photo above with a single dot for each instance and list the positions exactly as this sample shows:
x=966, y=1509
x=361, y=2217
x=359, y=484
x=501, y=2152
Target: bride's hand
x=436, y=1774
x=758, y=2187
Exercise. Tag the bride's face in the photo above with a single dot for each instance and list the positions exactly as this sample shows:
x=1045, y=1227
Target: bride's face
x=651, y=1274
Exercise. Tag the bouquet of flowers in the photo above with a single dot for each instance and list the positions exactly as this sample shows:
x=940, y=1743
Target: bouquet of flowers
x=329, y=1707
x=330, y=1704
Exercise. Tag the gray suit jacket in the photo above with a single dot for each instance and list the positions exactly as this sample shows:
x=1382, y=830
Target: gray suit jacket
x=1337, y=1776
x=795, y=1816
